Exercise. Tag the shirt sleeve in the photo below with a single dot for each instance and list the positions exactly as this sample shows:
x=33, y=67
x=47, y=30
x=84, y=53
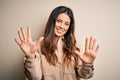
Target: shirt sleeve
x=84, y=71
x=33, y=68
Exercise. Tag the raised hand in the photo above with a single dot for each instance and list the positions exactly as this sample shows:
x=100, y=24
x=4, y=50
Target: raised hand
x=91, y=50
x=26, y=44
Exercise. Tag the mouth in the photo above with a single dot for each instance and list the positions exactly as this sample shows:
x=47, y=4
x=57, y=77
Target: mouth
x=59, y=30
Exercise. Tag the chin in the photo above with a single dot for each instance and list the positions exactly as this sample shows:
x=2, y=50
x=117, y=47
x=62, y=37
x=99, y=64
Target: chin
x=59, y=35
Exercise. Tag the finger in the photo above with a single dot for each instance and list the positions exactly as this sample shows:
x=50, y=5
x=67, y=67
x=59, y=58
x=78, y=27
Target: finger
x=17, y=42
x=97, y=48
x=20, y=35
x=23, y=33
x=91, y=43
x=94, y=43
x=39, y=40
x=86, y=44
x=29, y=32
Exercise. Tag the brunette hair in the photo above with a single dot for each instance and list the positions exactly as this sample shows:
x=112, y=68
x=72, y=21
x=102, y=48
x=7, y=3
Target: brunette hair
x=49, y=46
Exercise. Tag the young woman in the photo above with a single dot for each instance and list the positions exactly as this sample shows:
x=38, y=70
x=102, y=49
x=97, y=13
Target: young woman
x=55, y=56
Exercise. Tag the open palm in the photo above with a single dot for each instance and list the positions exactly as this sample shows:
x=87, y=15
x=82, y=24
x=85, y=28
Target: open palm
x=91, y=50
x=26, y=44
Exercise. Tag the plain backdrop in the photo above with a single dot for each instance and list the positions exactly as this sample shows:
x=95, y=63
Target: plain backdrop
x=97, y=18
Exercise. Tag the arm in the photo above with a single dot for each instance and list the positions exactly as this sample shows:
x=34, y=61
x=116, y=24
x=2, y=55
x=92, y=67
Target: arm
x=32, y=62
x=86, y=69
x=33, y=68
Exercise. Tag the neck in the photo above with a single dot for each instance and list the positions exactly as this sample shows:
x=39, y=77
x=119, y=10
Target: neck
x=58, y=38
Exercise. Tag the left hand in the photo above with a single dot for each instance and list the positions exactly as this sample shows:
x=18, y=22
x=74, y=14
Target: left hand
x=91, y=50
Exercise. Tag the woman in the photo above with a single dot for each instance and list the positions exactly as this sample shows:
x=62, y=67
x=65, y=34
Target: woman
x=55, y=56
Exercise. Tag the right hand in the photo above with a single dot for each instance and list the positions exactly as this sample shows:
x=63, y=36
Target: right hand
x=26, y=44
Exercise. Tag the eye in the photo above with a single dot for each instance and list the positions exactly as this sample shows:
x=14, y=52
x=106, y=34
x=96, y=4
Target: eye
x=58, y=20
x=67, y=24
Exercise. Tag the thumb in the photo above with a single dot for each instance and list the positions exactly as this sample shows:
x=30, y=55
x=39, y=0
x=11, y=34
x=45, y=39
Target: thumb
x=79, y=54
x=39, y=40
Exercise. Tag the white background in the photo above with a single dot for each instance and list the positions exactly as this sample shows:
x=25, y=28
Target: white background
x=97, y=18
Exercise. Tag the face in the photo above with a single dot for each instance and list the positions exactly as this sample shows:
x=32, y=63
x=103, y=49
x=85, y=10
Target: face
x=62, y=24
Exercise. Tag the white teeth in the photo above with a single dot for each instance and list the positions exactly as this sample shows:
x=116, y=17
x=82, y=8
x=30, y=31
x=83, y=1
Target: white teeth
x=59, y=31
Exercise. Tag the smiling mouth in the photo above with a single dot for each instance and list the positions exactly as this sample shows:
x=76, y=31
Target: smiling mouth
x=59, y=30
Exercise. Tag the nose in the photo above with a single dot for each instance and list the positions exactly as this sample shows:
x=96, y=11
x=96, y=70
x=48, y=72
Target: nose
x=62, y=25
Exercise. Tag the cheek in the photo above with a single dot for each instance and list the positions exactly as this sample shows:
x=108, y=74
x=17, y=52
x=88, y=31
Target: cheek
x=67, y=27
x=57, y=24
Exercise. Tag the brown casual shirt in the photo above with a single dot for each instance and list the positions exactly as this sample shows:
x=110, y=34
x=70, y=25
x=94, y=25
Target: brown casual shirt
x=40, y=69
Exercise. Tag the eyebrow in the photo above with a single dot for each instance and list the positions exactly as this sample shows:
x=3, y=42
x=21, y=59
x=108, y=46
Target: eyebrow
x=62, y=20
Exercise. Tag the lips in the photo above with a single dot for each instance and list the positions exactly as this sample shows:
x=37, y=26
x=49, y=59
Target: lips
x=59, y=30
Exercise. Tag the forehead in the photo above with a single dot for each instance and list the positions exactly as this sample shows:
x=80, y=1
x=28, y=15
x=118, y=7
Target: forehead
x=64, y=17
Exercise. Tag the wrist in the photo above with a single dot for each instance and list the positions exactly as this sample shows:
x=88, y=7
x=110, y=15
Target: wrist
x=30, y=56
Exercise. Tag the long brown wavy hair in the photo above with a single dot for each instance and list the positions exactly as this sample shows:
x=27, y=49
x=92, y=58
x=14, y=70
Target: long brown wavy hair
x=49, y=46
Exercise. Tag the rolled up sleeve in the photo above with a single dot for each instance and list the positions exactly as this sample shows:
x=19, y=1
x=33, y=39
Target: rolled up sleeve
x=33, y=68
x=85, y=71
